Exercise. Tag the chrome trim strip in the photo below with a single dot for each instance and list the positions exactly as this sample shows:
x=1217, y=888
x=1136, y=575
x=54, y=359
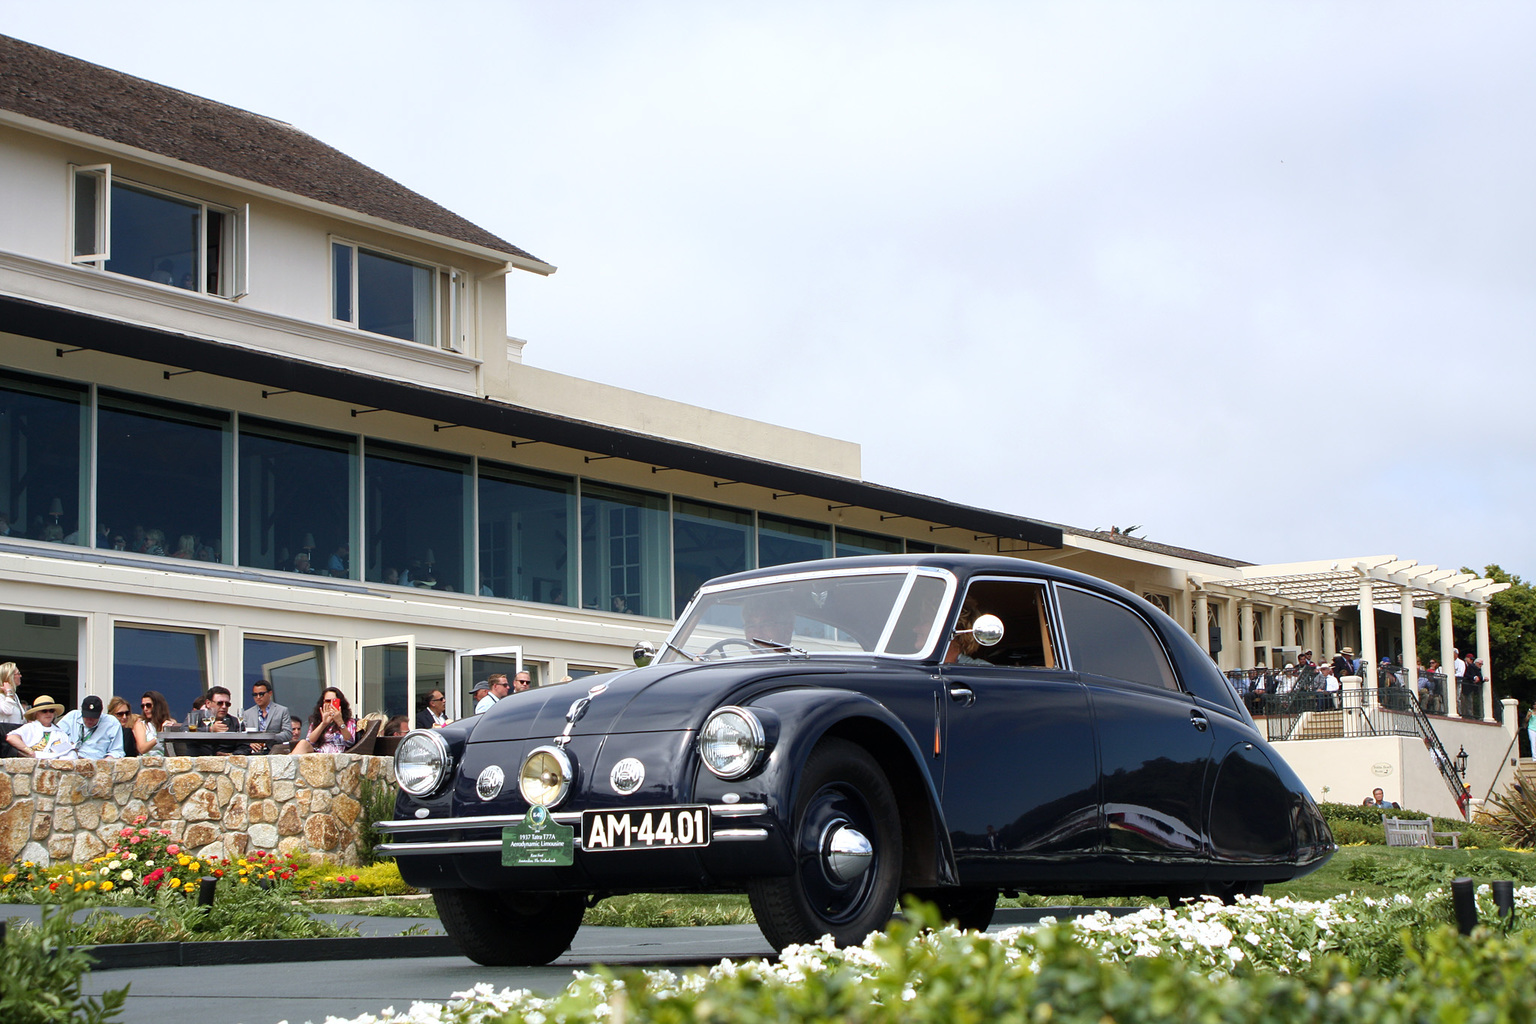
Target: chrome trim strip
x=563, y=817
x=725, y=835
x=738, y=835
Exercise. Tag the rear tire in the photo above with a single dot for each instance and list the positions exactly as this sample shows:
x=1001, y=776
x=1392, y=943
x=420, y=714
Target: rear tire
x=510, y=929
x=842, y=791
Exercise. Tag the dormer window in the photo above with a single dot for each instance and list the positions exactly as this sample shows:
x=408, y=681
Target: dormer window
x=382, y=293
x=154, y=235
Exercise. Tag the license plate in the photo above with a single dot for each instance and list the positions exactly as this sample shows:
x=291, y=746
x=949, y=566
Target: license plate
x=645, y=828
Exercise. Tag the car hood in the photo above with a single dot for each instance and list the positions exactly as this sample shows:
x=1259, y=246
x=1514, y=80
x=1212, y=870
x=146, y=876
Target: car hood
x=659, y=698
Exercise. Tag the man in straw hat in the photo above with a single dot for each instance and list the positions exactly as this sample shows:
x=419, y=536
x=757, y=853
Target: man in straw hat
x=39, y=737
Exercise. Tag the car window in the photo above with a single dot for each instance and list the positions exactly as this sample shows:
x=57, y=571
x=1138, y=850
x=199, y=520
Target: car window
x=1026, y=639
x=1108, y=639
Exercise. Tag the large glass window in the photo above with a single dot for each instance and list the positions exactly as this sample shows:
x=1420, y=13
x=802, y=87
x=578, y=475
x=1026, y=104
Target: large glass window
x=417, y=506
x=161, y=476
x=170, y=661
x=791, y=540
x=527, y=521
x=855, y=542
x=41, y=486
x=384, y=294
x=707, y=541
x=153, y=235
x=296, y=499
x=624, y=551
x=295, y=670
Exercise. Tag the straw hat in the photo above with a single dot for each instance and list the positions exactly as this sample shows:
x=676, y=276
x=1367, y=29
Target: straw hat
x=44, y=703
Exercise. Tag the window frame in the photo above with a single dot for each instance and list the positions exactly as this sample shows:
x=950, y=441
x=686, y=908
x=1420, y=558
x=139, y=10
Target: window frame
x=1058, y=587
x=234, y=237
x=449, y=291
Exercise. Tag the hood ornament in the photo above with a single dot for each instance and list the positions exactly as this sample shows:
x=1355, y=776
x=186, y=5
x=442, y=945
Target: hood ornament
x=577, y=709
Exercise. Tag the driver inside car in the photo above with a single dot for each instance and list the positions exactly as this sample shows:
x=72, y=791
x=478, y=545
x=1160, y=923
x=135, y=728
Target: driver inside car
x=769, y=622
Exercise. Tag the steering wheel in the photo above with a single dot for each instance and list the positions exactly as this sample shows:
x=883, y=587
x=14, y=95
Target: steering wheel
x=719, y=646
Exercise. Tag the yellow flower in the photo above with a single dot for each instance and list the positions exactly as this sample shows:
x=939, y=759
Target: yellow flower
x=106, y=886
x=183, y=860
x=245, y=881
x=8, y=878
x=197, y=866
x=89, y=885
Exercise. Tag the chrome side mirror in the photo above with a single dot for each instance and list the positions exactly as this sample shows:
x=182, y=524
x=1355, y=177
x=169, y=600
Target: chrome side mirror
x=644, y=653
x=987, y=630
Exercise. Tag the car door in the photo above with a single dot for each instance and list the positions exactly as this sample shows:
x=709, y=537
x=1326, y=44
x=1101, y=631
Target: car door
x=1154, y=741
x=1019, y=766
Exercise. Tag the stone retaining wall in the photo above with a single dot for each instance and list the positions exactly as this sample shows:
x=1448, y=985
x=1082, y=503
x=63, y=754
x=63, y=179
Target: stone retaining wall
x=53, y=811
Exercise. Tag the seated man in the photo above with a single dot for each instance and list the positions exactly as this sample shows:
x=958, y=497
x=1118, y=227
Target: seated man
x=94, y=736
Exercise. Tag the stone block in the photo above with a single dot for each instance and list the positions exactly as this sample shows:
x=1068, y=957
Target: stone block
x=177, y=765
x=201, y=834
x=122, y=793
x=74, y=788
x=345, y=809
x=109, y=813
x=201, y=806
x=258, y=779
x=283, y=790
x=101, y=783
x=6, y=789
x=162, y=806
x=126, y=768
x=211, y=764
x=86, y=846
x=223, y=790
x=347, y=776
x=289, y=822
x=283, y=766
x=64, y=819
x=42, y=826
x=21, y=785
x=212, y=850
x=46, y=780
x=148, y=782
x=238, y=844
x=15, y=831
x=317, y=770
x=185, y=784
x=37, y=853
x=264, y=837
x=61, y=846
x=290, y=845
x=324, y=833
x=234, y=813
x=88, y=815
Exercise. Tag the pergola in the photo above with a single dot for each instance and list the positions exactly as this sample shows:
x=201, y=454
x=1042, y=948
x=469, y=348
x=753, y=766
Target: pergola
x=1322, y=588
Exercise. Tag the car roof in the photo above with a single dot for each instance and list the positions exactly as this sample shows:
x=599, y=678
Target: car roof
x=961, y=564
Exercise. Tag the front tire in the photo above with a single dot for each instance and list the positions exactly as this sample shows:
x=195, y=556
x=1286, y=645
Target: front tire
x=846, y=833
x=510, y=929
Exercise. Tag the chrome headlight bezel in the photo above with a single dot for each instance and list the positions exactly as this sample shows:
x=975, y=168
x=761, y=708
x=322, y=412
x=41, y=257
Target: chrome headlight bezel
x=563, y=766
x=749, y=737
x=423, y=763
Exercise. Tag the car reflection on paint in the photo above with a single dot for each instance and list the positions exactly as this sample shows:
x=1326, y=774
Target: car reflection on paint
x=829, y=736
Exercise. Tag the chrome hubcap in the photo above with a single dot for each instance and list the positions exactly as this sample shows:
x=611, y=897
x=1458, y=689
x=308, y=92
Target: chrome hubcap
x=845, y=852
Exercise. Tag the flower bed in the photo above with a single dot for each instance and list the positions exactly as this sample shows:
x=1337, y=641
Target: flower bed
x=1348, y=959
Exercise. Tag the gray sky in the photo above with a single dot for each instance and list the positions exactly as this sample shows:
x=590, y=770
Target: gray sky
x=1257, y=276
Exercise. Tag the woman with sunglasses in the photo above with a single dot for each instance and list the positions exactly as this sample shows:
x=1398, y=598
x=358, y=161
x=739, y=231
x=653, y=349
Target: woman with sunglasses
x=156, y=716
x=118, y=708
x=10, y=703
x=331, y=726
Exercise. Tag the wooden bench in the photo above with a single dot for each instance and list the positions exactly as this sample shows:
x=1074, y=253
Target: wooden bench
x=1418, y=832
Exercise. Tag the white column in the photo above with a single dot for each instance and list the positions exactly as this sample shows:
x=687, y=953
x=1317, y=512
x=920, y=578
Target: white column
x=1330, y=640
x=1410, y=641
x=1229, y=644
x=1483, y=653
x=1245, y=618
x=1203, y=621
x=1447, y=649
x=1287, y=627
x=1367, y=635
x=1182, y=608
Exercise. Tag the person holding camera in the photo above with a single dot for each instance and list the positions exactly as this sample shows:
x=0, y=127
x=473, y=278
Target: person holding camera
x=331, y=726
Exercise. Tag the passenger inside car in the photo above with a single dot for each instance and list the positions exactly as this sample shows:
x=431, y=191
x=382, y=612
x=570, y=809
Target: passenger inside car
x=1026, y=639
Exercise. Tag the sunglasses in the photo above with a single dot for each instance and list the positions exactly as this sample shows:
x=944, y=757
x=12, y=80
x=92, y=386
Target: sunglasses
x=222, y=703
x=146, y=704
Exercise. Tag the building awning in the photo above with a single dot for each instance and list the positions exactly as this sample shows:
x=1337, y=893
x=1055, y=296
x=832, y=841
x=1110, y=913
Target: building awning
x=76, y=329
x=1336, y=584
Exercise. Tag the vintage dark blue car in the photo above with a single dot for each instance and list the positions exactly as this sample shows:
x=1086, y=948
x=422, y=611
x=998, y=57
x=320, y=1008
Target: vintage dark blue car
x=828, y=736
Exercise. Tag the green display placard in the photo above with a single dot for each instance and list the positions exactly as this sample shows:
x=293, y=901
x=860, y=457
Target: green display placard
x=538, y=841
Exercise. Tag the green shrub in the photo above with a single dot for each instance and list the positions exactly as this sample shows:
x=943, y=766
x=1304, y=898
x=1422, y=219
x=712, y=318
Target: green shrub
x=378, y=799
x=328, y=880
x=40, y=975
x=1348, y=833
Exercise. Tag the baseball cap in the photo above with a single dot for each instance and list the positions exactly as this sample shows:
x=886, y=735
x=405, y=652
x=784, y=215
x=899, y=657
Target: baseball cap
x=91, y=707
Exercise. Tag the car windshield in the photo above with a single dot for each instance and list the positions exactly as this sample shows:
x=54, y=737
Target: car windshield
x=896, y=612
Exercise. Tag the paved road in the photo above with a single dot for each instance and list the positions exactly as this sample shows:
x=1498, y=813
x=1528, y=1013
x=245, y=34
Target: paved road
x=299, y=992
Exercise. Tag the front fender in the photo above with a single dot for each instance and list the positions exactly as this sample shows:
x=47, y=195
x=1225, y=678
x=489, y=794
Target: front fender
x=806, y=716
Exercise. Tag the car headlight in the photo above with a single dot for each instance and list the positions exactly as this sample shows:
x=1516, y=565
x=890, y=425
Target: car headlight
x=422, y=763
x=545, y=777
x=731, y=742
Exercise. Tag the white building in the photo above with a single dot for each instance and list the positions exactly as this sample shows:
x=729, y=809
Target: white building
x=260, y=416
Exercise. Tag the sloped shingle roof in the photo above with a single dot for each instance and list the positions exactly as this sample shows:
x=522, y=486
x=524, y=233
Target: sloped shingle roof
x=71, y=93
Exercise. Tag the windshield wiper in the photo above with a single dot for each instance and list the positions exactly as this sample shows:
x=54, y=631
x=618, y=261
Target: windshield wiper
x=679, y=650
x=774, y=645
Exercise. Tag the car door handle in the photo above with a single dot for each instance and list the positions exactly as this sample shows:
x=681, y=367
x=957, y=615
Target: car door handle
x=1199, y=721
x=962, y=695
